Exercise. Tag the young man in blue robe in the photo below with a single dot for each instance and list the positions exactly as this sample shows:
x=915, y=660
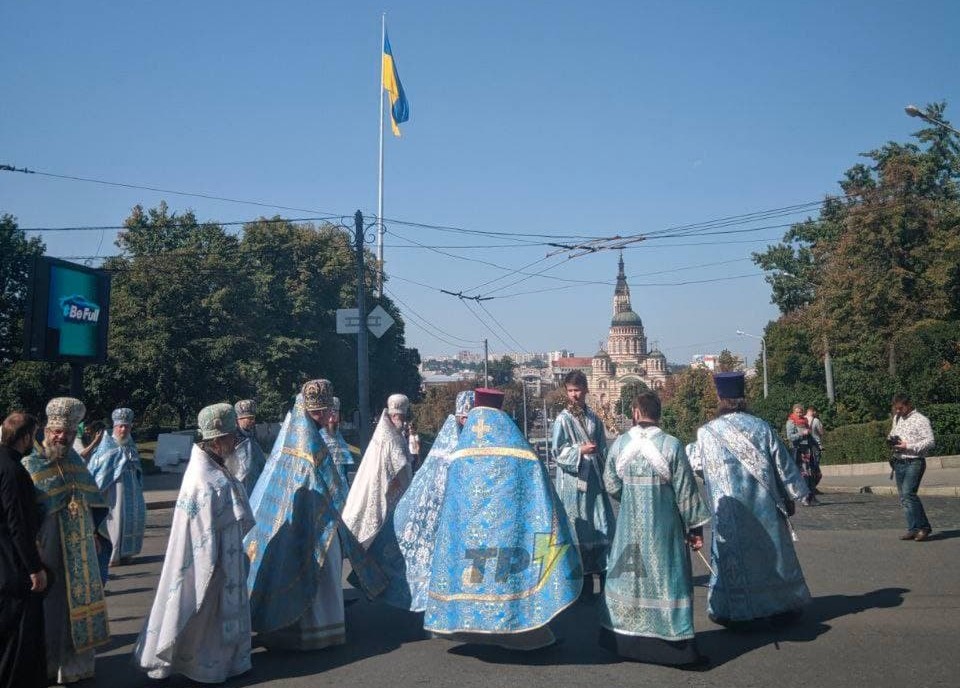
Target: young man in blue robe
x=752, y=484
x=647, y=612
x=580, y=445
x=116, y=469
x=504, y=563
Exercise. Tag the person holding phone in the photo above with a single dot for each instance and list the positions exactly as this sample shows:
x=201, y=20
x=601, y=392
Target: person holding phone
x=911, y=439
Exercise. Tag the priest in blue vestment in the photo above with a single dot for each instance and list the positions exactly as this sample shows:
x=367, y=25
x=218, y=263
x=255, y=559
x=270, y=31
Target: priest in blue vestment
x=752, y=484
x=116, y=469
x=296, y=556
x=504, y=562
x=408, y=557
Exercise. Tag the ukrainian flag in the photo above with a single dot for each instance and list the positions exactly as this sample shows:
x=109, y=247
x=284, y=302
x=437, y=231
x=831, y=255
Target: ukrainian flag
x=399, y=109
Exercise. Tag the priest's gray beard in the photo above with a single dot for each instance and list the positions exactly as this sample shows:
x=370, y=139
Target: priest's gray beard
x=55, y=451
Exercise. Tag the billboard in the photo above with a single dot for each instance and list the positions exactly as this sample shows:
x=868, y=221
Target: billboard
x=68, y=312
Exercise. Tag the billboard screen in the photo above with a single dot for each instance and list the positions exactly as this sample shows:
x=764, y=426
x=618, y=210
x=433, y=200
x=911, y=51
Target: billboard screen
x=68, y=312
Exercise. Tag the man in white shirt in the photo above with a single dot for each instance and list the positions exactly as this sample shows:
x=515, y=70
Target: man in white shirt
x=911, y=439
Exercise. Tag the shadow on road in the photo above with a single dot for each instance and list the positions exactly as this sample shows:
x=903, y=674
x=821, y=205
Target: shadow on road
x=722, y=645
x=944, y=535
x=578, y=629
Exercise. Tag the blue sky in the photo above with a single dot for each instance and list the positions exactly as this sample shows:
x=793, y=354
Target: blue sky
x=555, y=118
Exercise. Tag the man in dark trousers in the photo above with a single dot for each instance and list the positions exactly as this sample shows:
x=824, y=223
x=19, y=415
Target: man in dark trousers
x=23, y=662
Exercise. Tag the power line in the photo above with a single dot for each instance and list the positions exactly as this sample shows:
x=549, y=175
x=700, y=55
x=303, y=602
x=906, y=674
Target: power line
x=142, y=187
x=505, y=330
x=426, y=322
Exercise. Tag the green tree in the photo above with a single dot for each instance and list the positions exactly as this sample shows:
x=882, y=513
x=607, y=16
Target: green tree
x=17, y=252
x=727, y=362
x=178, y=318
x=627, y=393
x=26, y=385
x=693, y=403
x=878, y=261
x=501, y=371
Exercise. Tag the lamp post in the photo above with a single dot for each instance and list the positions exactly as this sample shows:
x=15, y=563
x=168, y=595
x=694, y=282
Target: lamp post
x=763, y=351
x=914, y=111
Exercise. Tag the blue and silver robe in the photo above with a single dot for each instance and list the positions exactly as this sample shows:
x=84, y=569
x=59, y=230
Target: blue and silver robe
x=407, y=557
x=589, y=510
x=340, y=451
x=296, y=595
x=118, y=473
x=247, y=460
x=504, y=561
x=750, y=476
x=649, y=590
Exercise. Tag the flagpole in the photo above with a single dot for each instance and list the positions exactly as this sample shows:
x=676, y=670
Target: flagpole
x=383, y=41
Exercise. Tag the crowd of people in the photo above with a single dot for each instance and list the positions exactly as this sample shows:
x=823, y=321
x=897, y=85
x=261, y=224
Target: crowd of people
x=478, y=537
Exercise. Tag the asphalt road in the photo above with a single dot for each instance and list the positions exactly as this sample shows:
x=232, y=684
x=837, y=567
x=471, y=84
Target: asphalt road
x=885, y=613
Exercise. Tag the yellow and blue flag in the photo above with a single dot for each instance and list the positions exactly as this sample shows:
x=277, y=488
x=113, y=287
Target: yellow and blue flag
x=399, y=109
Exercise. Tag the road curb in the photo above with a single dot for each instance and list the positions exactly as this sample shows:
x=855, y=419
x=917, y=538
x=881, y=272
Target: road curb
x=165, y=504
x=890, y=490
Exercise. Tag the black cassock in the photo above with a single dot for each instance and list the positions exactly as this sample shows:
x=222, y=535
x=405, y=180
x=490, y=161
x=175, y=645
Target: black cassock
x=23, y=662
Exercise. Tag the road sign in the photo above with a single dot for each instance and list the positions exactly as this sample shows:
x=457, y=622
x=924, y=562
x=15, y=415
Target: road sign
x=378, y=321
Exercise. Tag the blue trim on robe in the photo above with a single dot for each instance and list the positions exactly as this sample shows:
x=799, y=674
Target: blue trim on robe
x=757, y=573
x=504, y=559
x=115, y=463
x=405, y=545
x=297, y=504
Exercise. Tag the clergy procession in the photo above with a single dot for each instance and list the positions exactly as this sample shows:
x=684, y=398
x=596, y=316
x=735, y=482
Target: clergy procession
x=480, y=540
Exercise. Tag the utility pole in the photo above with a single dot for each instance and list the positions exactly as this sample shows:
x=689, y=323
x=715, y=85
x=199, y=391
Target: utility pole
x=363, y=359
x=828, y=369
x=526, y=434
x=486, y=355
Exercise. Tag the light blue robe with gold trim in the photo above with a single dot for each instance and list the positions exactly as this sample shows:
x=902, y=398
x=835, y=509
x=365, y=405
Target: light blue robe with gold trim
x=118, y=473
x=749, y=477
x=297, y=504
x=407, y=554
x=340, y=451
x=504, y=560
x=649, y=590
x=590, y=513
x=75, y=608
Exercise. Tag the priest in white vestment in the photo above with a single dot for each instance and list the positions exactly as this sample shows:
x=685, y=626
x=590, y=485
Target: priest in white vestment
x=199, y=625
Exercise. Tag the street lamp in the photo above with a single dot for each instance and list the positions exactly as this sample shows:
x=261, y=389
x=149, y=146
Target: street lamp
x=763, y=350
x=914, y=111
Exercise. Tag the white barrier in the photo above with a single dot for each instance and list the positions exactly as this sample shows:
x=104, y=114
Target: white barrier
x=173, y=450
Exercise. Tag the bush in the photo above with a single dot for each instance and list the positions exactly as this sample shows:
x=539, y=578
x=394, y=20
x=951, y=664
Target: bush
x=866, y=442
x=860, y=443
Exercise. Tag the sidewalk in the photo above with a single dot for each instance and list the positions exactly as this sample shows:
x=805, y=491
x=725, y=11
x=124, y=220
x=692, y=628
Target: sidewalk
x=942, y=478
x=160, y=490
